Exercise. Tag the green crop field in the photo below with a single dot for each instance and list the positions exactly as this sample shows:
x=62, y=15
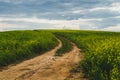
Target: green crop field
x=101, y=50
x=20, y=45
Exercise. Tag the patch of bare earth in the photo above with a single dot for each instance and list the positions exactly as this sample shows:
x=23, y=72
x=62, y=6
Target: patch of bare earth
x=46, y=67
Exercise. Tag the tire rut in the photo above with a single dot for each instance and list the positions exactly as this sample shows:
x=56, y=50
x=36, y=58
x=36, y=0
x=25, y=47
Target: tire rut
x=45, y=67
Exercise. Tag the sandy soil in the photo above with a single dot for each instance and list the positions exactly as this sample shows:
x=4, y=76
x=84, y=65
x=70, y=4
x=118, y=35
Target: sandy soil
x=45, y=67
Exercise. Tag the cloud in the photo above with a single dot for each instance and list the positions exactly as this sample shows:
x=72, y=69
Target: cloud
x=28, y=23
x=113, y=28
x=37, y=20
x=5, y=26
x=72, y=14
x=113, y=7
x=47, y=9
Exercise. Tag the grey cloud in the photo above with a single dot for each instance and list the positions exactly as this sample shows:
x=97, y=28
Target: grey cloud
x=60, y=10
x=106, y=22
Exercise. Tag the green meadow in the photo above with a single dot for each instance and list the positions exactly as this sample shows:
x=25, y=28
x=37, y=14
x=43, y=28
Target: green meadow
x=20, y=45
x=101, y=50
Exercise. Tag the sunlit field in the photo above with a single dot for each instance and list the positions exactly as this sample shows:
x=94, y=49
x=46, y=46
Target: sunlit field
x=101, y=50
x=19, y=45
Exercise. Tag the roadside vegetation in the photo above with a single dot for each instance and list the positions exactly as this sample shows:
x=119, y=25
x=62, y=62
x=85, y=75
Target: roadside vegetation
x=101, y=53
x=101, y=50
x=66, y=45
x=19, y=45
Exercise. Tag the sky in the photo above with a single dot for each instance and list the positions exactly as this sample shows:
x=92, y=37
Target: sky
x=60, y=14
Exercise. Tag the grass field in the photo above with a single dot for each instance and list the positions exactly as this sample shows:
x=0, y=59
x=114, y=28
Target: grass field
x=20, y=45
x=66, y=45
x=101, y=50
x=101, y=53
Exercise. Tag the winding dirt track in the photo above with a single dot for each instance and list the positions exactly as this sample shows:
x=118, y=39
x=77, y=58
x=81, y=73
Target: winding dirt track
x=45, y=67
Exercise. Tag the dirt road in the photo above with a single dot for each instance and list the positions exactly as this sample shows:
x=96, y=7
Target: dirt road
x=44, y=67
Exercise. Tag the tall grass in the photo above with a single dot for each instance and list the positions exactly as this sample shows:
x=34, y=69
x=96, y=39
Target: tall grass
x=101, y=53
x=19, y=45
x=66, y=45
x=101, y=49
